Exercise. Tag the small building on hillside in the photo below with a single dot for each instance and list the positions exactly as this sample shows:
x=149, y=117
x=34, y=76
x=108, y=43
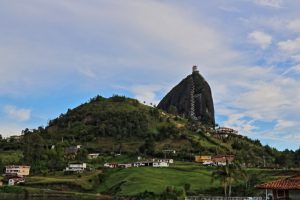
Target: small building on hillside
x=16, y=180
x=202, y=159
x=170, y=161
x=225, y=130
x=126, y=165
x=93, y=155
x=222, y=160
x=110, y=165
x=160, y=164
x=283, y=189
x=148, y=163
x=1, y=183
x=76, y=167
x=19, y=170
x=138, y=164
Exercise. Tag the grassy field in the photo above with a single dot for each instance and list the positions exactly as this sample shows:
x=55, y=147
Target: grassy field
x=82, y=182
x=133, y=181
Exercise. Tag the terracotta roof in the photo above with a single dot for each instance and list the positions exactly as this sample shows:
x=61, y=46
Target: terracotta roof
x=290, y=183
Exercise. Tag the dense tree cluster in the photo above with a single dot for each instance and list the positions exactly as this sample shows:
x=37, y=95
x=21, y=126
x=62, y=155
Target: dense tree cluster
x=112, y=117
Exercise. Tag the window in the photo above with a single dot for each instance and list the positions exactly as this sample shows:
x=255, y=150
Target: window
x=280, y=193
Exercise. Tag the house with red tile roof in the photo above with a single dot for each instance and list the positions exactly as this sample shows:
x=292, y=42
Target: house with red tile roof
x=283, y=189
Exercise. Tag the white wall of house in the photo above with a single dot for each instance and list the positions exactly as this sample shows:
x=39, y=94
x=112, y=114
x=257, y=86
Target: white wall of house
x=21, y=170
x=138, y=164
x=11, y=182
x=76, y=167
x=160, y=164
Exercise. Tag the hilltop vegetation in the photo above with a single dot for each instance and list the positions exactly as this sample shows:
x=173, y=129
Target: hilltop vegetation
x=123, y=125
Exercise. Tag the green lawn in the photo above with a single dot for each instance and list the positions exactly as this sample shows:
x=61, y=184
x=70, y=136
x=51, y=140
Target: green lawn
x=84, y=182
x=133, y=181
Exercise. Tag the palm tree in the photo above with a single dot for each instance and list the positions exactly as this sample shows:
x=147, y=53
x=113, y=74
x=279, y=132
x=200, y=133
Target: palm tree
x=221, y=175
x=227, y=174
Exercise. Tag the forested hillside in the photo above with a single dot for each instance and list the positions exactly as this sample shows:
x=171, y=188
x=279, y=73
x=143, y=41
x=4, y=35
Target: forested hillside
x=123, y=125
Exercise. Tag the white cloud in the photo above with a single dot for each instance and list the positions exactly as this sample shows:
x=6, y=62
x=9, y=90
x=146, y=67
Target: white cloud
x=87, y=71
x=296, y=58
x=236, y=121
x=294, y=25
x=296, y=68
x=284, y=124
x=270, y=3
x=263, y=96
x=9, y=129
x=293, y=137
x=230, y=9
x=122, y=35
x=290, y=46
x=18, y=114
x=146, y=93
x=260, y=38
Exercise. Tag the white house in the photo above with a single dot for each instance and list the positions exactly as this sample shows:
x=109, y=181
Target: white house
x=208, y=163
x=20, y=170
x=111, y=165
x=170, y=161
x=76, y=167
x=126, y=165
x=138, y=164
x=160, y=164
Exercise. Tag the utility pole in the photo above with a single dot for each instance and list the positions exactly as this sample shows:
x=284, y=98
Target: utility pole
x=168, y=151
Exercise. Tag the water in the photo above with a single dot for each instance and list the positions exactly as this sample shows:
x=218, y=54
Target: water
x=4, y=196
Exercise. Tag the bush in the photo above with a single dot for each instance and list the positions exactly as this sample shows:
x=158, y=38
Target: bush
x=11, y=189
x=172, y=193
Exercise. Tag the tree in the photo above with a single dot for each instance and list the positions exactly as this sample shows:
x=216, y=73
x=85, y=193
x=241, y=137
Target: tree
x=34, y=152
x=56, y=159
x=148, y=147
x=1, y=166
x=81, y=154
x=172, y=193
x=297, y=157
x=187, y=187
x=227, y=175
x=283, y=159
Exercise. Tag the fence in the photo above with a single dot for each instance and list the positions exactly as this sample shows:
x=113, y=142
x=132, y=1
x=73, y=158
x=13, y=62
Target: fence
x=222, y=198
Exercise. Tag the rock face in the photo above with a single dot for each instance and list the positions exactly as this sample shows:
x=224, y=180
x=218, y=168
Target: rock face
x=192, y=98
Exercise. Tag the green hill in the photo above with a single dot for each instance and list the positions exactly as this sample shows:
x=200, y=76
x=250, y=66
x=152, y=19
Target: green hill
x=123, y=125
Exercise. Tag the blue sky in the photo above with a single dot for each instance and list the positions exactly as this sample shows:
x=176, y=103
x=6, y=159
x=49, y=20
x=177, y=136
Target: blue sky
x=57, y=54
